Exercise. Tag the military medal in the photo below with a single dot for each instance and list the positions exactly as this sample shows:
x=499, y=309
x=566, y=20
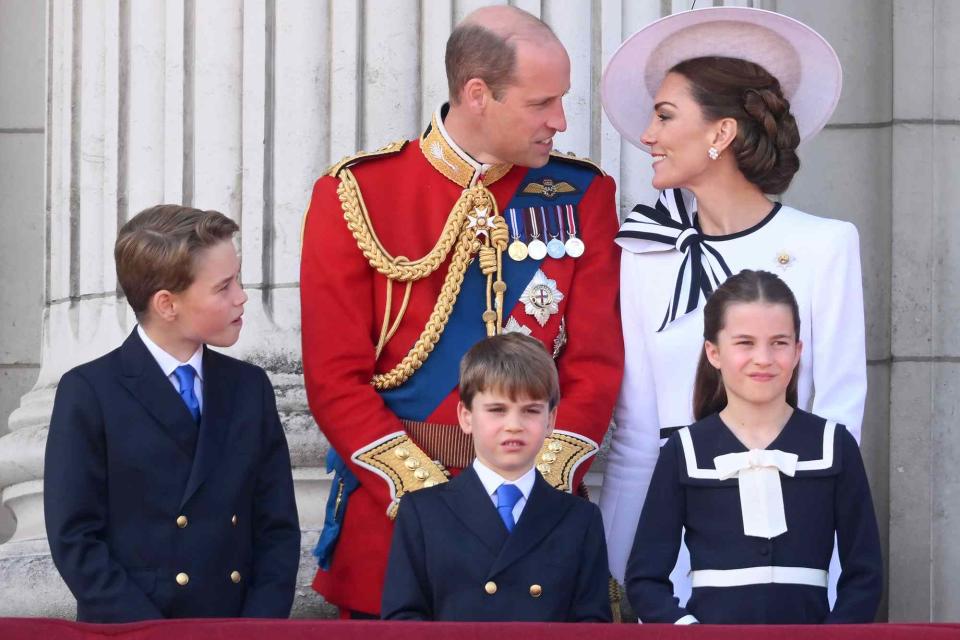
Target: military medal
x=574, y=245
x=541, y=299
x=536, y=247
x=555, y=246
x=517, y=249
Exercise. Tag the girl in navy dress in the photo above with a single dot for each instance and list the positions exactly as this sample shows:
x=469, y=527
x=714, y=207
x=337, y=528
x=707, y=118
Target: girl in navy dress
x=759, y=486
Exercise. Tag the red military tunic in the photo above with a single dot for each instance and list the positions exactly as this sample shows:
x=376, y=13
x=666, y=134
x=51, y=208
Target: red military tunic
x=408, y=196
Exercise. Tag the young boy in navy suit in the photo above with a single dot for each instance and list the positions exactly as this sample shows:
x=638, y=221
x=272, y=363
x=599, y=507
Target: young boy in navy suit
x=498, y=542
x=167, y=487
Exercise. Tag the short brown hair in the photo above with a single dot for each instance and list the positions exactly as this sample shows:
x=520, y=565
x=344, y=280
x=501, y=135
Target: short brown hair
x=157, y=249
x=476, y=51
x=767, y=134
x=512, y=363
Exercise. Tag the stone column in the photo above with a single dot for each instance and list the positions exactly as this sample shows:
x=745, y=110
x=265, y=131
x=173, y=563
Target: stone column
x=183, y=101
x=925, y=441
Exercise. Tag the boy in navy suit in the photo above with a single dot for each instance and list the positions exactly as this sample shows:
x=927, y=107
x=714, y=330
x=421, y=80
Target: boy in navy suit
x=498, y=542
x=167, y=487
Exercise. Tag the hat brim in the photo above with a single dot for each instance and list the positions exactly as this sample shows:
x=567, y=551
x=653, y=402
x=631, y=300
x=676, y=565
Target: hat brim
x=800, y=58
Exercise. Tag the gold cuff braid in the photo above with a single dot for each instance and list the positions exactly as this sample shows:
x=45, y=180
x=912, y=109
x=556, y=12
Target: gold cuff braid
x=561, y=454
x=405, y=466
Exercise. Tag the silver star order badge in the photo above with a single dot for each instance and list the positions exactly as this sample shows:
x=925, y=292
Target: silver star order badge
x=513, y=326
x=541, y=298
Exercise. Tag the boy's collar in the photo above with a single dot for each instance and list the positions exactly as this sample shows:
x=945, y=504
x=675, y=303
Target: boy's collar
x=166, y=361
x=490, y=479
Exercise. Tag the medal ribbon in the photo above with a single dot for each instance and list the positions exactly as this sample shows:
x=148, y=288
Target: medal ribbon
x=534, y=230
x=572, y=221
x=543, y=220
x=554, y=222
x=516, y=225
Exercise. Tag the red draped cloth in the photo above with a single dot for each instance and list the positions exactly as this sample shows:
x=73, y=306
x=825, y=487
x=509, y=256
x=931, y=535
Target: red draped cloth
x=47, y=629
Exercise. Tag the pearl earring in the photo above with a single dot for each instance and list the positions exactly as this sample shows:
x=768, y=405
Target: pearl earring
x=713, y=153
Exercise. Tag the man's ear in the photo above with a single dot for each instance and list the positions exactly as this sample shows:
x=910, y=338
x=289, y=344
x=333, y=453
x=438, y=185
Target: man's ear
x=475, y=95
x=163, y=305
x=465, y=417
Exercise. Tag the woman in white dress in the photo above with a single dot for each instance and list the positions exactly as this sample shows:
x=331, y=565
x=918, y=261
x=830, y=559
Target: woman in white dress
x=721, y=98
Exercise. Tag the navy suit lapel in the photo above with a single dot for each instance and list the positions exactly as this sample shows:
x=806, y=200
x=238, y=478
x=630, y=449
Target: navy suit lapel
x=214, y=422
x=540, y=516
x=468, y=500
x=145, y=381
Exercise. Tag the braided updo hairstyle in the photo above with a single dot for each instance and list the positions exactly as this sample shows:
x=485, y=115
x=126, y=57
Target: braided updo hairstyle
x=767, y=136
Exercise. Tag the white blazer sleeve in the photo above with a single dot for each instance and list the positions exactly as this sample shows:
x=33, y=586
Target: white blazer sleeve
x=635, y=443
x=839, y=350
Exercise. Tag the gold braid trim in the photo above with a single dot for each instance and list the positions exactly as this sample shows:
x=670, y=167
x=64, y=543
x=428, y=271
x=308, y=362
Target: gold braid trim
x=461, y=239
x=398, y=267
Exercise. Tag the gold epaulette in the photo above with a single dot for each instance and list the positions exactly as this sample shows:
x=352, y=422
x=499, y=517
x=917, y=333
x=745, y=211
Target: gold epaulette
x=586, y=162
x=349, y=161
x=398, y=460
x=561, y=454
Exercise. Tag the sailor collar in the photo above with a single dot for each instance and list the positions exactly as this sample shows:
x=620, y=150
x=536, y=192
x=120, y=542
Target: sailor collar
x=448, y=158
x=670, y=225
x=811, y=438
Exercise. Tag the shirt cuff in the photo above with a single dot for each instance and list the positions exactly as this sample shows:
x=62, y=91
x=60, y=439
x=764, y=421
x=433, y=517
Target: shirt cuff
x=687, y=619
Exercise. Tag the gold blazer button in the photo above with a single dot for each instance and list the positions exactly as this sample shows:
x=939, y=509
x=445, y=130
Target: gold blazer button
x=182, y=521
x=235, y=577
x=182, y=579
x=490, y=587
x=536, y=590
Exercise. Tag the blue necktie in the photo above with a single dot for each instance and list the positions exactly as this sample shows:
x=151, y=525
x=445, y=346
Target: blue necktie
x=185, y=375
x=507, y=496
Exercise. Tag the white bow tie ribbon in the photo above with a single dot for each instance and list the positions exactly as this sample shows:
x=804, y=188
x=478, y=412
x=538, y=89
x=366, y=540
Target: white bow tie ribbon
x=761, y=496
x=668, y=226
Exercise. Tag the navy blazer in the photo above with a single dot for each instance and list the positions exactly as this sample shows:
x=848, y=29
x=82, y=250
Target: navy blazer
x=453, y=559
x=149, y=515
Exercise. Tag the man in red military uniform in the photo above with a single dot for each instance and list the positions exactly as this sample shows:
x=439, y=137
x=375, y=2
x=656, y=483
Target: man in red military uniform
x=413, y=253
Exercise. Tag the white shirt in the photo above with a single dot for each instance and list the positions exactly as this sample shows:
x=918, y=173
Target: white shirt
x=822, y=268
x=492, y=480
x=168, y=363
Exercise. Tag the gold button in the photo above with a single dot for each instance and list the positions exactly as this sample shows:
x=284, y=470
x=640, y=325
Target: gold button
x=182, y=579
x=490, y=587
x=401, y=453
x=783, y=258
x=421, y=474
x=181, y=521
x=233, y=520
x=549, y=457
x=543, y=468
x=536, y=590
x=235, y=577
x=411, y=463
x=555, y=446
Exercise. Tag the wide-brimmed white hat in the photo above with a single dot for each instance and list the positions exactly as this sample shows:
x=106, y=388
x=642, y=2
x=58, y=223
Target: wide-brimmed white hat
x=800, y=58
